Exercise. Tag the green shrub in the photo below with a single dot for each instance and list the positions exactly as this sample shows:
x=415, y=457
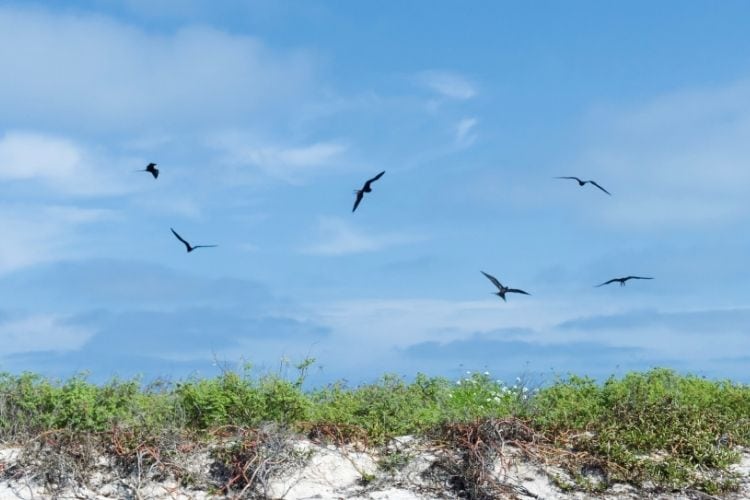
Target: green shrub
x=657, y=425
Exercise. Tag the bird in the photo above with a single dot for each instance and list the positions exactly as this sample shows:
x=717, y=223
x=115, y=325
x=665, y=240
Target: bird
x=583, y=183
x=502, y=290
x=151, y=168
x=188, y=246
x=365, y=189
x=623, y=280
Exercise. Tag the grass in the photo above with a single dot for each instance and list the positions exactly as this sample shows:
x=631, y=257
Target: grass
x=659, y=427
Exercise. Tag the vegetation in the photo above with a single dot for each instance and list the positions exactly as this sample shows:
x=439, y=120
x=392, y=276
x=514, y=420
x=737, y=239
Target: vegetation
x=670, y=430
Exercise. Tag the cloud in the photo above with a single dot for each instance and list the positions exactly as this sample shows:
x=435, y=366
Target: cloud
x=289, y=163
x=464, y=129
x=152, y=343
x=439, y=335
x=59, y=164
x=537, y=362
x=95, y=73
x=189, y=331
x=26, y=333
x=713, y=321
x=508, y=358
x=115, y=284
x=677, y=161
x=338, y=237
x=691, y=336
x=450, y=85
x=134, y=314
x=35, y=234
x=482, y=347
x=405, y=321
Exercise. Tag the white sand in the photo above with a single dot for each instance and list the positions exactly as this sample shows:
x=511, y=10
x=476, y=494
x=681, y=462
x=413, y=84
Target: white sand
x=337, y=473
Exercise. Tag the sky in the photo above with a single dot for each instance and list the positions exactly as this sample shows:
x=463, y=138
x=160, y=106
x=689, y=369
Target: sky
x=264, y=116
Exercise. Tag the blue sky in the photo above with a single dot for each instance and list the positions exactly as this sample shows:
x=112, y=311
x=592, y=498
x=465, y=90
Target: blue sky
x=264, y=116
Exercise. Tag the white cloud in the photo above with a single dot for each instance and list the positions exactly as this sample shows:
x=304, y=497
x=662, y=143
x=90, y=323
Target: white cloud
x=28, y=156
x=338, y=237
x=275, y=159
x=402, y=322
x=95, y=73
x=35, y=234
x=289, y=163
x=450, y=85
x=60, y=164
x=680, y=160
x=40, y=333
x=464, y=132
x=376, y=326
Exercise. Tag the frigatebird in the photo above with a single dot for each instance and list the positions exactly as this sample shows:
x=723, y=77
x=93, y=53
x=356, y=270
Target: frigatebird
x=583, y=183
x=151, y=168
x=502, y=290
x=365, y=189
x=188, y=246
x=623, y=280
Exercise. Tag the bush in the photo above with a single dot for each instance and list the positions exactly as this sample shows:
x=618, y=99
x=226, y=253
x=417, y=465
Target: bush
x=658, y=425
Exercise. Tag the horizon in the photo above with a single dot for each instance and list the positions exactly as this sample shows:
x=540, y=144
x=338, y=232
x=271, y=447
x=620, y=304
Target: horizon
x=263, y=117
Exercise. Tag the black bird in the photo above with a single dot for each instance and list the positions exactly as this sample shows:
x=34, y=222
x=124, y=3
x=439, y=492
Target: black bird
x=189, y=247
x=502, y=290
x=583, y=183
x=365, y=189
x=152, y=169
x=623, y=280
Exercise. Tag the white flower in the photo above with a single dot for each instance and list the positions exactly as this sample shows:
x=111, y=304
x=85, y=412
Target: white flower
x=486, y=373
x=458, y=382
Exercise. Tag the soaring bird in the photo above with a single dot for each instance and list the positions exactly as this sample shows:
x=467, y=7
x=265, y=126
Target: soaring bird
x=623, y=280
x=502, y=290
x=152, y=169
x=189, y=247
x=583, y=183
x=365, y=189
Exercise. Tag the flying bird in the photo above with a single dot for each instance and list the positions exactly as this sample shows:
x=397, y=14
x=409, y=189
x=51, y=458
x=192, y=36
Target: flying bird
x=502, y=290
x=188, y=246
x=151, y=168
x=583, y=183
x=623, y=280
x=365, y=189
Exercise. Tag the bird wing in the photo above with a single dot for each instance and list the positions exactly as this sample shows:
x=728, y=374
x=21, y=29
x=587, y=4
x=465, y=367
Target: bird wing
x=608, y=282
x=576, y=178
x=204, y=246
x=377, y=176
x=493, y=280
x=597, y=185
x=151, y=165
x=638, y=278
x=370, y=181
x=516, y=290
x=360, y=195
x=187, y=245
